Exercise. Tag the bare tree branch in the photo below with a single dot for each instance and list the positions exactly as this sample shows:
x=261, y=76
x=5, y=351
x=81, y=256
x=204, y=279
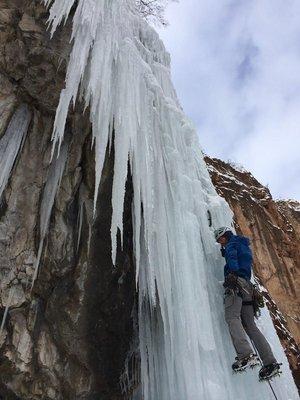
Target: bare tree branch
x=153, y=10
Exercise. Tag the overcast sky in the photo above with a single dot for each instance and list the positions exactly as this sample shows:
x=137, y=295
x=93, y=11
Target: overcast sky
x=236, y=69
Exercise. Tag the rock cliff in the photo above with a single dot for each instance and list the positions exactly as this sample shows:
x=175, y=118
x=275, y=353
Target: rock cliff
x=274, y=229
x=57, y=342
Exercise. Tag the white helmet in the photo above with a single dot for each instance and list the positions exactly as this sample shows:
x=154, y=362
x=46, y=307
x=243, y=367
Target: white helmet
x=220, y=232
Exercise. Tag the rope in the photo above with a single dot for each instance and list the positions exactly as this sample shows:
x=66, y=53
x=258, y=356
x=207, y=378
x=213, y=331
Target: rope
x=255, y=349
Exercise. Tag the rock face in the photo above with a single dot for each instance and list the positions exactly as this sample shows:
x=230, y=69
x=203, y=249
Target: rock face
x=274, y=230
x=67, y=336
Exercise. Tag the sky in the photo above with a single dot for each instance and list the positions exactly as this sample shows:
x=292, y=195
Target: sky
x=236, y=69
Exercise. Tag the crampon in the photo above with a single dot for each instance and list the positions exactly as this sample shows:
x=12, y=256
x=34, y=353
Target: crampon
x=270, y=371
x=241, y=364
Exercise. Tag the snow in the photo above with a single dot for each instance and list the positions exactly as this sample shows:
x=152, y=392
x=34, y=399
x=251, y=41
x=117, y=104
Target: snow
x=120, y=69
x=11, y=143
x=293, y=204
x=238, y=182
x=274, y=226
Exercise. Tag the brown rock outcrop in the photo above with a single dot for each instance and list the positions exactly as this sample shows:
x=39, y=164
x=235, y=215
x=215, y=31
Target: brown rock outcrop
x=274, y=230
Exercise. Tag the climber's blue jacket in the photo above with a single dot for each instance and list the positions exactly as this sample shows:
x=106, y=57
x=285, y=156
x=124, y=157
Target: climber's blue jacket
x=238, y=256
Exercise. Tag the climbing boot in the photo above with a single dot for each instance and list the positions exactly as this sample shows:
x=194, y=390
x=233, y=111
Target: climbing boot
x=241, y=364
x=269, y=371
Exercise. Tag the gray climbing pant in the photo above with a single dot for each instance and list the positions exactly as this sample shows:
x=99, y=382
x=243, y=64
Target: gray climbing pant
x=240, y=320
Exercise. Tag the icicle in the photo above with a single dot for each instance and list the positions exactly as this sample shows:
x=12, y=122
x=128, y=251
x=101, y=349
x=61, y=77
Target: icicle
x=53, y=182
x=89, y=239
x=120, y=69
x=79, y=223
x=8, y=304
x=11, y=143
x=59, y=11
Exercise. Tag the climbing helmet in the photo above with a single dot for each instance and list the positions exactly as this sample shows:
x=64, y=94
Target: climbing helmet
x=220, y=232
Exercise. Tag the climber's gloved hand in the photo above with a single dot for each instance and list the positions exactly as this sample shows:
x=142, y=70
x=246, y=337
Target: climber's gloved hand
x=231, y=281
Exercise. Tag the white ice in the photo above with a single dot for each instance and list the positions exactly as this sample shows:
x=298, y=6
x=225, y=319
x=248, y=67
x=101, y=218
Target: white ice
x=11, y=142
x=120, y=69
x=54, y=177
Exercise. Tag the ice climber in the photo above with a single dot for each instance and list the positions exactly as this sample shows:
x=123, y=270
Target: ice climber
x=238, y=302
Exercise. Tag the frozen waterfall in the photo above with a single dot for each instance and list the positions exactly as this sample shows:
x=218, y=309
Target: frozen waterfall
x=120, y=69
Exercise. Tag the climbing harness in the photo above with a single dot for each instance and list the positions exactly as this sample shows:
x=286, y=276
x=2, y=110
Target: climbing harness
x=257, y=301
x=241, y=285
